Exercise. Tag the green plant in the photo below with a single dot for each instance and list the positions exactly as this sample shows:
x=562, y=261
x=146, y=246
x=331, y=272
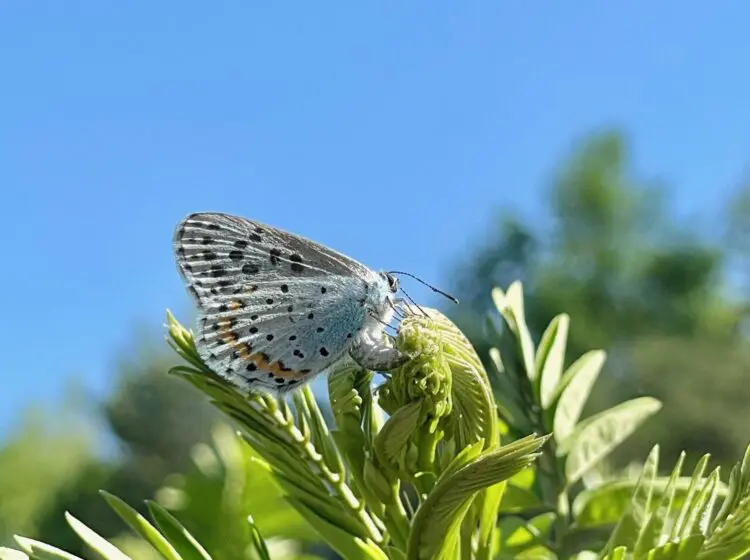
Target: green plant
x=451, y=471
x=568, y=506
x=226, y=484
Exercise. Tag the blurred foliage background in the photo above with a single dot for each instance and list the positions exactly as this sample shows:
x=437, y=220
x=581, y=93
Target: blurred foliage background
x=665, y=298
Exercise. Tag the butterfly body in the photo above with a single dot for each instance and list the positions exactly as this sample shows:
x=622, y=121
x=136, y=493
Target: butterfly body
x=277, y=309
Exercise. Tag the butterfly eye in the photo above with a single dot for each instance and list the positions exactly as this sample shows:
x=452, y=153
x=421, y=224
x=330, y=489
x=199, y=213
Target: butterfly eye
x=392, y=282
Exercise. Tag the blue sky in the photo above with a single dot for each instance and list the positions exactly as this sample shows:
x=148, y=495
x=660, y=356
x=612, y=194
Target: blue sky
x=391, y=131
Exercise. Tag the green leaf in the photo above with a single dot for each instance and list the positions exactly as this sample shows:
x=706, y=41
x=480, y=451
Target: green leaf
x=686, y=549
x=259, y=542
x=674, y=494
x=185, y=544
x=396, y=432
x=695, y=482
x=510, y=306
x=575, y=388
x=395, y=553
x=506, y=390
x=517, y=499
x=330, y=510
x=585, y=555
x=12, y=554
x=632, y=524
x=41, y=551
x=597, y=436
x=97, y=543
x=509, y=526
x=519, y=535
x=349, y=546
x=463, y=458
x=731, y=498
x=605, y=504
x=435, y=526
x=731, y=538
x=648, y=536
x=141, y=526
x=524, y=479
x=617, y=554
x=729, y=533
x=731, y=550
x=488, y=518
x=702, y=508
x=550, y=358
x=543, y=523
x=536, y=553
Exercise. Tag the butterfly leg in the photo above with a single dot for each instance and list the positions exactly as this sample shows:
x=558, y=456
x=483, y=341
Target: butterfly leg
x=406, y=308
x=371, y=350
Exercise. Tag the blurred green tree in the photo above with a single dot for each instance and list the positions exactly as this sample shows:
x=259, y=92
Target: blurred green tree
x=29, y=479
x=153, y=420
x=653, y=292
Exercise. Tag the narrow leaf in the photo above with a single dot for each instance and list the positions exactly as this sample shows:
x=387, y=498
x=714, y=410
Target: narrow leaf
x=632, y=524
x=673, y=497
x=259, y=542
x=510, y=306
x=97, y=543
x=141, y=526
x=696, y=481
x=617, y=554
x=550, y=358
x=700, y=516
x=12, y=554
x=185, y=544
x=42, y=551
x=349, y=546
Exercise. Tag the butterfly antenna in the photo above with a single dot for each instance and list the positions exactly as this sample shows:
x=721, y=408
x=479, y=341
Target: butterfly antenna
x=430, y=286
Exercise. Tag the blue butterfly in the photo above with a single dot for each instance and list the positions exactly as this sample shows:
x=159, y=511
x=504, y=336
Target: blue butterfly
x=277, y=309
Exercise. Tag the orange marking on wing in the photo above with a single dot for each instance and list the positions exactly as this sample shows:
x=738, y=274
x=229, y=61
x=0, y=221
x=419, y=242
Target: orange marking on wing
x=276, y=368
x=244, y=351
x=228, y=336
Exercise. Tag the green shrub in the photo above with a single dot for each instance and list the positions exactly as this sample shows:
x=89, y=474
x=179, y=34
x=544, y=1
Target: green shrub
x=443, y=464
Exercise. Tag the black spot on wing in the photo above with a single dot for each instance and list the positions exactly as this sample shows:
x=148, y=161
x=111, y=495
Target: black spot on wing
x=275, y=256
x=296, y=265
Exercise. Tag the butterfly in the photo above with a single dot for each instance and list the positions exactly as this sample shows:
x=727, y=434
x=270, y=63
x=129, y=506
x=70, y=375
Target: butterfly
x=277, y=309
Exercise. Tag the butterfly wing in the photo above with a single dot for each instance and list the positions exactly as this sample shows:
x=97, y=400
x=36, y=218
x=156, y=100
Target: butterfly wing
x=276, y=309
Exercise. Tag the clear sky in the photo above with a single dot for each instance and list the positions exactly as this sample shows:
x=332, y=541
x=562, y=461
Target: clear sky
x=392, y=131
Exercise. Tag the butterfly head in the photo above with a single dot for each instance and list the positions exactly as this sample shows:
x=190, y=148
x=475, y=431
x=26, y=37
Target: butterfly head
x=392, y=281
